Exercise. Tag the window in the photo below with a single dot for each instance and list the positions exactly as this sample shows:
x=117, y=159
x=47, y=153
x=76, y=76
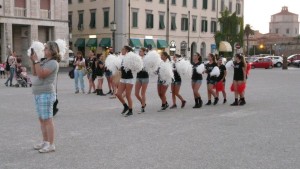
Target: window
x=173, y=2
x=204, y=25
x=173, y=22
x=70, y=20
x=135, y=19
x=184, y=3
x=161, y=21
x=106, y=17
x=238, y=8
x=80, y=20
x=277, y=30
x=80, y=1
x=222, y=5
x=148, y=0
x=194, y=24
x=230, y=6
x=70, y=1
x=213, y=26
x=45, y=4
x=162, y=1
x=287, y=31
x=184, y=23
x=149, y=20
x=93, y=19
x=213, y=6
x=204, y=4
x=194, y=3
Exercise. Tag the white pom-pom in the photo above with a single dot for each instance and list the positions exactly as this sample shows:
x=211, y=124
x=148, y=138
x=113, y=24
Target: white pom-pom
x=62, y=45
x=229, y=64
x=113, y=63
x=184, y=68
x=151, y=62
x=38, y=48
x=200, y=69
x=215, y=71
x=166, y=72
x=133, y=62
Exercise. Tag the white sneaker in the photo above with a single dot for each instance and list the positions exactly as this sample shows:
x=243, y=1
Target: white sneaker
x=39, y=146
x=47, y=148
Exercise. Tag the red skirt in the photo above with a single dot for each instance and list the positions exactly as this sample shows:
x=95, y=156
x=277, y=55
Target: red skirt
x=240, y=88
x=219, y=86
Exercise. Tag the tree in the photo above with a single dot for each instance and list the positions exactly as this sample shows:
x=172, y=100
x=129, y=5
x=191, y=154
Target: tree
x=248, y=31
x=231, y=28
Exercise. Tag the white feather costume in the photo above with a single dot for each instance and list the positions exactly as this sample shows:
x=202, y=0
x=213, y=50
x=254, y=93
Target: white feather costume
x=184, y=68
x=38, y=48
x=151, y=62
x=215, y=71
x=62, y=45
x=165, y=72
x=113, y=63
x=133, y=62
x=200, y=69
x=229, y=64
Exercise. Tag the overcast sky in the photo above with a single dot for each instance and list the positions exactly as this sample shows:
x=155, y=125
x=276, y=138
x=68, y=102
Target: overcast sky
x=258, y=12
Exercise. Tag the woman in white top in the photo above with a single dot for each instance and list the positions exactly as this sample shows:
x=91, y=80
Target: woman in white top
x=79, y=71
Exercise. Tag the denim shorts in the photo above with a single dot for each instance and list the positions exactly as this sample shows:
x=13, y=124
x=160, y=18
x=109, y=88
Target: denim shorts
x=197, y=81
x=44, y=105
x=162, y=82
x=213, y=82
x=108, y=73
x=142, y=80
x=127, y=81
x=176, y=83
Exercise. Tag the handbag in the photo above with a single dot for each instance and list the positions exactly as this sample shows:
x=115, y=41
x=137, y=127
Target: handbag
x=55, y=109
x=71, y=74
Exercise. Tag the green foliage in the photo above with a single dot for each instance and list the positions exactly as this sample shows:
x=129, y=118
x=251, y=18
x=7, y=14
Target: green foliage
x=248, y=31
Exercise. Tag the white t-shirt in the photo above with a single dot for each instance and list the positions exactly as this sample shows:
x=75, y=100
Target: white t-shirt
x=81, y=64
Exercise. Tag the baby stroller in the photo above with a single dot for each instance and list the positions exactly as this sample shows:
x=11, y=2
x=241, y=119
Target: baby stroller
x=22, y=78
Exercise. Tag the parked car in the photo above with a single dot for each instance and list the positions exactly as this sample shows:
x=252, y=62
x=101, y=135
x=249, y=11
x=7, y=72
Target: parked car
x=293, y=57
x=296, y=63
x=277, y=60
x=262, y=63
x=71, y=57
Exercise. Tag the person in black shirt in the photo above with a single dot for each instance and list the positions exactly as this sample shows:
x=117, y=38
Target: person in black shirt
x=197, y=80
x=126, y=85
x=221, y=78
x=141, y=84
x=211, y=80
x=175, y=85
x=239, y=78
x=99, y=72
x=90, y=67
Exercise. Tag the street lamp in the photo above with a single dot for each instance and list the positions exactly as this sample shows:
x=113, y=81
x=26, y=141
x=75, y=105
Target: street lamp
x=113, y=28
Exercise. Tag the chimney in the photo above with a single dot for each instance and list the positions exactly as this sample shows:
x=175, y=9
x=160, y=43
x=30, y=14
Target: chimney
x=285, y=9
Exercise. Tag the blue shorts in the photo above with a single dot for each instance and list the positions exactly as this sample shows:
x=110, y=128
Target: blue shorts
x=44, y=105
x=108, y=73
x=142, y=80
x=162, y=82
x=197, y=81
x=176, y=83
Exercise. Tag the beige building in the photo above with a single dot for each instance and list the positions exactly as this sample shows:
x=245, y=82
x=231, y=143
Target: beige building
x=22, y=21
x=188, y=26
x=285, y=23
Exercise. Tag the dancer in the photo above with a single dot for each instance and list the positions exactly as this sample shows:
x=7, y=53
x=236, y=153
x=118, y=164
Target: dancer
x=141, y=84
x=176, y=84
x=211, y=80
x=125, y=85
x=99, y=71
x=162, y=84
x=197, y=80
x=78, y=72
x=90, y=68
x=239, y=80
x=220, y=86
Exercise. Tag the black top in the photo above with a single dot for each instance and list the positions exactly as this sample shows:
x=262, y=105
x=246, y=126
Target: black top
x=99, y=71
x=196, y=75
x=142, y=74
x=238, y=71
x=222, y=73
x=177, y=77
x=90, y=64
x=209, y=67
x=126, y=74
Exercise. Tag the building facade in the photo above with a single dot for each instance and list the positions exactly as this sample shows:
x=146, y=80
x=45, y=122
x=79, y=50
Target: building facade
x=285, y=23
x=22, y=21
x=181, y=26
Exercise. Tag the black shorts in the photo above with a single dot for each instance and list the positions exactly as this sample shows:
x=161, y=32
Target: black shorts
x=211, y=81
x=238, y=78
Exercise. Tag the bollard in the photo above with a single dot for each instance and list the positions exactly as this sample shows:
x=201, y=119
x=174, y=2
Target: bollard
x=285, y=63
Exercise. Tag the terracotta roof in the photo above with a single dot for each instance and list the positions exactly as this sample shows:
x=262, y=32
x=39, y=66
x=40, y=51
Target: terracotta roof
x=285, y=11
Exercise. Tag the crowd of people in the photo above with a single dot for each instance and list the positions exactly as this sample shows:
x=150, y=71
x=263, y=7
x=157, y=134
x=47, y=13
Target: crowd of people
x=122, y=82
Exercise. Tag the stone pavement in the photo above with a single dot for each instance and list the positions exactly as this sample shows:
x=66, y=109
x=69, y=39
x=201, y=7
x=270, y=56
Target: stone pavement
x=91, y=133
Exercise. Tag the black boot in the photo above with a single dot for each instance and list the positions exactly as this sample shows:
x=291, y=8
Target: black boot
x=196, y=104
x=129, y=113
x=235, y=103
x=109, y=92
x=200, y=102
x=216, y=100
x=98, y=91
x=101, y=92
x=242, y=102
x=208, y=103
x=126, y=108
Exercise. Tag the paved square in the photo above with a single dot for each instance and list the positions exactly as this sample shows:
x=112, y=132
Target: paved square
x=91, y=133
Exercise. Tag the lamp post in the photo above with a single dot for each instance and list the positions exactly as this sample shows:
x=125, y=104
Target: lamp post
x=113, y=28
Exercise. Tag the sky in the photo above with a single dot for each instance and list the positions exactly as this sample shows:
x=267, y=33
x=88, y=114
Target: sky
x=258, y=12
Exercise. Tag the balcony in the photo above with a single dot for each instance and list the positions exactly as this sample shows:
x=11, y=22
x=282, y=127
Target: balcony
x=44, y=14
x=20, y=12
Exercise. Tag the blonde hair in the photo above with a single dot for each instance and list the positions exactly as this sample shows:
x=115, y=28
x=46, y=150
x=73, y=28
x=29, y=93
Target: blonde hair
x=54, y=49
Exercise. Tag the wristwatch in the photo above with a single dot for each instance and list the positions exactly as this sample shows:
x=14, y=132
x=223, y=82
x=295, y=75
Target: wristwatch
x=36, y=62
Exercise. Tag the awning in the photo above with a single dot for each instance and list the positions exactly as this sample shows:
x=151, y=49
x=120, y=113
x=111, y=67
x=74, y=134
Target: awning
x=135, y=43
x=161, y=44
x=80, y=42
x=92, y=42
x=148, y=42
x=105, y=42
x=225, y=47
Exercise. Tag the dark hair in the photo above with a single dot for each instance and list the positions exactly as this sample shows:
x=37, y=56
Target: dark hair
x=93, y=51
x=167, y=55
x=79, y=53
x=144, y=49
x=177, y=55
x=241, y=57
x=98, y=55
x=128, y=48
x=200, y=57
x=213, y=57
